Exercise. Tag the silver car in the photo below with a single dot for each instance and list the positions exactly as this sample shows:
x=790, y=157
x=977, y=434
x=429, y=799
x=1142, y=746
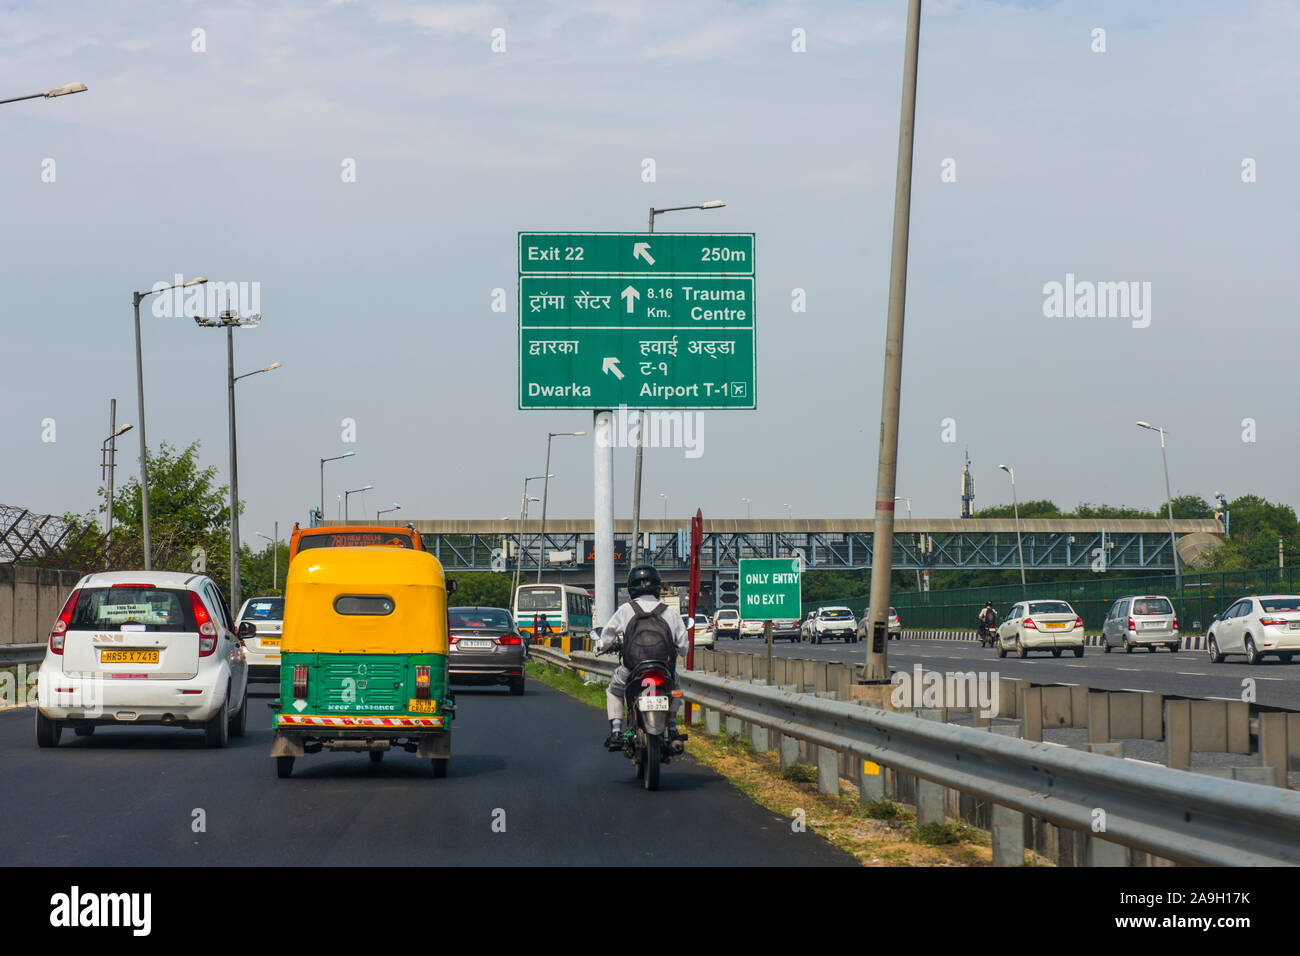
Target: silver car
x=1255, y=626
x=263, y=646
x=1140, y=621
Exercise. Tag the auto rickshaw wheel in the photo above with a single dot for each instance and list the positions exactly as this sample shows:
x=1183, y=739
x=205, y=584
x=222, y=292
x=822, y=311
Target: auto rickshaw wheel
x=283, y=766
x=440, y=767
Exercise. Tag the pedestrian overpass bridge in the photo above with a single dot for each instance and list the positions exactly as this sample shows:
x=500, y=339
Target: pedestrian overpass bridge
x=935, y=544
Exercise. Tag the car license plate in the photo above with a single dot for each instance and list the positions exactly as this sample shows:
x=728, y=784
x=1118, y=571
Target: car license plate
x=270, y=642
x=422, y=706
x=1295, y=625
x=128, y=657
x=1054, y=625
x=652, y=703
x=1153, y=625
x=475, y=645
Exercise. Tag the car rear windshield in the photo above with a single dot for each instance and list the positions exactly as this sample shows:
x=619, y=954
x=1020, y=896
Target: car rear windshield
x=354, y=539
x=133, y=608
x=539, y=599
x=1157, y=605
x=727, y=616
x=1280, y=605
x=265, y=609
x=487, y=617
x=835, y=615
x=1050, y=607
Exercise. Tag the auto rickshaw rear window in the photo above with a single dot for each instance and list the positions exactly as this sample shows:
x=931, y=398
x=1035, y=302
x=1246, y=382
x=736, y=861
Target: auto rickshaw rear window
x=366, y=604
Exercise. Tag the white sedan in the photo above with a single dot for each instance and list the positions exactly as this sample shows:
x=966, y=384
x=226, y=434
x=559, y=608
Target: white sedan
x=703, y=631
x=1041, y=626
x=1255, y=626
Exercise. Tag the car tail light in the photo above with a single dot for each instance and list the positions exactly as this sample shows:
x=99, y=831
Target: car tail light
x=132, y=585
x=1029, y=623
x=1274, y=621
x=652, y=679
x=1175, y=622
x=454, y=638
x=300, y=681
x=1131, y=625
x=1078, y=622
x=61, y=625
x=422, y=681
x=207, y=630
x=508, y=640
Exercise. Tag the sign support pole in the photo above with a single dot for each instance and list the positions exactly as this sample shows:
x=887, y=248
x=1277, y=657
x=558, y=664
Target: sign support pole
x=603, y=504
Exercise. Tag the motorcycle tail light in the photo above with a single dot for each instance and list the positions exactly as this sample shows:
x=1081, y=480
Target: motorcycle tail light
x=652, y=679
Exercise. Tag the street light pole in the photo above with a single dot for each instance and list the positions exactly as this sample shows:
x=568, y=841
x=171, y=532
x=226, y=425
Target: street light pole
x=640, y=416
x=748, y=514
x=108, y=462
x=1169, y=499
x=136, y=299
x=546, y=489
x=1015, y=507
x=50, y=94
x=519, y=550
x=346, y=454
x=347, y=494
x=229, y=319
x=876, y=668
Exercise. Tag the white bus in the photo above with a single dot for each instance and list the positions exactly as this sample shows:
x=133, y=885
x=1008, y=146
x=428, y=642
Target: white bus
x=559, y=609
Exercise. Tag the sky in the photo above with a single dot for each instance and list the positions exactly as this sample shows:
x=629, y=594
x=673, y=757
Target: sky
x=1158, y=152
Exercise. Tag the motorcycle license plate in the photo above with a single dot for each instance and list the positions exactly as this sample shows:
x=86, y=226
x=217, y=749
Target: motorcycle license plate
x=652, y=703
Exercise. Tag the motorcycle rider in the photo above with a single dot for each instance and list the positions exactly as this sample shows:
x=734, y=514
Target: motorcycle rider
x=988, y=618
x=643, y=586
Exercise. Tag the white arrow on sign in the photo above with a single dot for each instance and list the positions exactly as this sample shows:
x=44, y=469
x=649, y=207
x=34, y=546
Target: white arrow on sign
x=630, y=295
x=611, y=365
x=641, y=250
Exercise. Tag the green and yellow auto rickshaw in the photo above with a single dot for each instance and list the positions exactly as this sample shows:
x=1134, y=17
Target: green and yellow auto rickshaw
x=364, y=665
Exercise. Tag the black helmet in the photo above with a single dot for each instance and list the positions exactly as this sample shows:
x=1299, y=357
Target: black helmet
x=643, y=579
x=988, y=603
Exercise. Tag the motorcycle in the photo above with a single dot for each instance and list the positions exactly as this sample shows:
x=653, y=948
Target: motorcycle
x=988, y=635
x=650, y=687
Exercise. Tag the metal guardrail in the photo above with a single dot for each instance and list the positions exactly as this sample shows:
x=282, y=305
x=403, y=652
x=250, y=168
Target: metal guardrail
x=22, y=653
x=1181, y=816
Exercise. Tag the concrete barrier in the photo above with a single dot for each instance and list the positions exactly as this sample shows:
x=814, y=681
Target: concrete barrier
x=30, y=601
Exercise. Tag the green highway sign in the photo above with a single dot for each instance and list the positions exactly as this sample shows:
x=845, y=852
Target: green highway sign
x=769, y=589
x=701, y=304
x=663, y=321
x=633, y=253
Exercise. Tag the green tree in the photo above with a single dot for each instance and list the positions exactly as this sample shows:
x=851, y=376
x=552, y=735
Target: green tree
x=481, y=589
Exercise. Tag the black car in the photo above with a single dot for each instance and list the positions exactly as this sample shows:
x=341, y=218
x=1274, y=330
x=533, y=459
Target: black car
x=486, y=648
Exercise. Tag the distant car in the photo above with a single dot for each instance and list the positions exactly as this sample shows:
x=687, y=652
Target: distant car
x=726, y=623
x=1041, y=626
x=787, y=629
x=1140, y=621
x=703, y=631
x=833, y=622
x=751, y=628
x=263, y=648
x=486, y=648
x=1255, y=626
x=143, y=647
x=895, y=625
x=805, y=626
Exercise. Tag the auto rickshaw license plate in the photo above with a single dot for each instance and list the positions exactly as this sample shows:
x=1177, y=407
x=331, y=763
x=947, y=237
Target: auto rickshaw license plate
x=128, y=656
x=652, y=703
x=422, y=706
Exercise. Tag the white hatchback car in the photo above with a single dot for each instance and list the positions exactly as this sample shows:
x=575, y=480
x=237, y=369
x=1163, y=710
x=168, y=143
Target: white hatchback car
x=1255, y=626
x=143, y=647
x=262, y=649
x=703, y=631
x=1041, y=626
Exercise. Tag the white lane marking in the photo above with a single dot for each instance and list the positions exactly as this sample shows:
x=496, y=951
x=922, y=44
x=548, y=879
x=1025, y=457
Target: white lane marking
x=1137, y=690
x=1076, y=665
x=1270, y=678
x=1066, y=683
x=1191, y=674
x=1128, y=669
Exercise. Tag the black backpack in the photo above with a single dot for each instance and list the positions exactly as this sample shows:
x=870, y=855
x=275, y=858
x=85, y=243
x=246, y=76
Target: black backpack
x=648, y=637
